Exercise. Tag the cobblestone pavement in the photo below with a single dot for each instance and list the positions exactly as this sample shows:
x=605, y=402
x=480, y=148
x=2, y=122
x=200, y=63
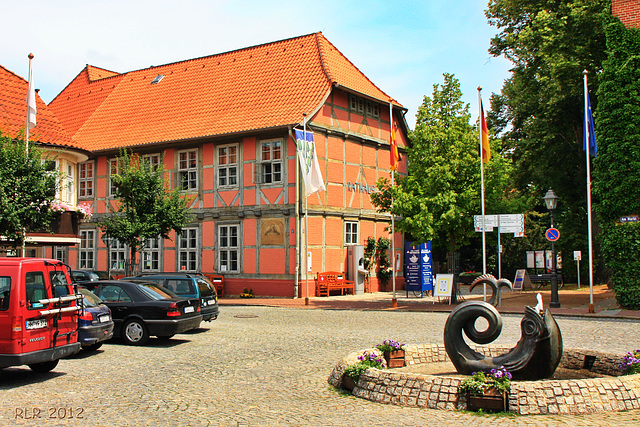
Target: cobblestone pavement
x=266, y=366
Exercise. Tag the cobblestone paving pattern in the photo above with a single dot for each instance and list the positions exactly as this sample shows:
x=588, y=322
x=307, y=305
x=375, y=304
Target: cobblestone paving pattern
x=270, y=369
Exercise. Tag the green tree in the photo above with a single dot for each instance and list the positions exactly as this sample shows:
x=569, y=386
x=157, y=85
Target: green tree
x=441, y=192
x=616, y=181
x=540, y=110
x=27, y=189
x=145, y=208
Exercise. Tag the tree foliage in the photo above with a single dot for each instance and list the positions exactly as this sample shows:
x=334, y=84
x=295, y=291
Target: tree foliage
x=145, y=207
x=441, y=192
x=27, y=189
x=616, y=183
x=540, y=110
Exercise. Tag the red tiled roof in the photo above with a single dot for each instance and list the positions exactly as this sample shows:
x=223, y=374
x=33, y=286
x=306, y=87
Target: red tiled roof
x=258, y=87
x=13, y=112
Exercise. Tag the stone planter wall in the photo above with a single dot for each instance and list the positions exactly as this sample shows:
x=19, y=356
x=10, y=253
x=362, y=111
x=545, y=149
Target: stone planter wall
x=580, y=396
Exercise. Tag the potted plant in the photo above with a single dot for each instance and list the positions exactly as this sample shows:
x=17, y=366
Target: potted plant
x=393, y=353
x=352, y=373
x=487, y=391
x=631, y=363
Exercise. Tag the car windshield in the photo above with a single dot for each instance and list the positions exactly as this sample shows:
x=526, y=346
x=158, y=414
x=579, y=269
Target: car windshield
x=155, y=292
x=205, y=288
x=102, y=275
x=89, y=298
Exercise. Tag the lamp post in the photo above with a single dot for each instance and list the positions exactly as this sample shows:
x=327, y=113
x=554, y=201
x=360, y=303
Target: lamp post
x=551, y=201
x=107, y=241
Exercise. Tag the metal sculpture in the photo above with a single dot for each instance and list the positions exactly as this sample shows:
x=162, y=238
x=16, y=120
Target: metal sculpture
x=496, y=286
x=536, y=356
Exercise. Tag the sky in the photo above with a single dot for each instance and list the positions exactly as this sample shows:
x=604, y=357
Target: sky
x=404, y=46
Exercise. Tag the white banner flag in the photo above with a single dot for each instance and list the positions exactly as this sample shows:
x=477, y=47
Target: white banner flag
x=309, y=163
x=31, y=100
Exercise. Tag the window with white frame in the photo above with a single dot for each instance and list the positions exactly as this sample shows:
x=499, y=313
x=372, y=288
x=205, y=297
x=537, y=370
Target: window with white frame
x=228, y=251
x=61, y=253
x=151, y=255
x=271, y=166
x=364, y=107
x=85, y=179
x=118, y=255
x=188, y=250
x=227, y=166
x=70, y=184
x=115, y=166
x=351, y=233
x=153, y=160
x=86, y=253
x=188, y=170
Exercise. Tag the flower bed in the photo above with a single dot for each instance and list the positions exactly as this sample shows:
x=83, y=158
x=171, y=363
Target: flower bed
x=611, y=392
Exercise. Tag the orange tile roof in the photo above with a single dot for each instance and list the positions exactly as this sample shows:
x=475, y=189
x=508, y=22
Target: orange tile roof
x=13, y=112
x=259, y=87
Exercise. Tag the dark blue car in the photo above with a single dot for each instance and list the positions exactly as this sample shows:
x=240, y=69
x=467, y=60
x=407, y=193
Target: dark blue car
x=95, y=325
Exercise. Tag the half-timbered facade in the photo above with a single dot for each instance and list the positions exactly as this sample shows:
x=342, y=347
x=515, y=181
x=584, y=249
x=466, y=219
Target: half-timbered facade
x=223, y=126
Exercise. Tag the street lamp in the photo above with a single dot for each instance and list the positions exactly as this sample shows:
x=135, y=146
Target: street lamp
x=107, y=240
x=551, y=201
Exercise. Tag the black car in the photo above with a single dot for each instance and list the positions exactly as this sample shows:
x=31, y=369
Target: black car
x=79, y=276
x=142, y=309
x=188, y=285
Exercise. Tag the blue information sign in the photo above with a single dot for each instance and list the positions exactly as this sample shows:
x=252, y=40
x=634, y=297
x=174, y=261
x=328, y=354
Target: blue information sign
x=418, y=267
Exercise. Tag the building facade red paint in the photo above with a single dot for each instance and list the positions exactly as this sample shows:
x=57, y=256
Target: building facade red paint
x=243, y=182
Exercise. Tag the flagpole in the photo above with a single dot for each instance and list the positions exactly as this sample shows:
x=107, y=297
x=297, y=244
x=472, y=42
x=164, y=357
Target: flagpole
x=394, y=300
x=484, y=245
x=306, y=222
x=589, y=219
x=30, y=99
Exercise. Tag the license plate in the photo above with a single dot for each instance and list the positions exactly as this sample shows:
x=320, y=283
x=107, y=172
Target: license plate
x=189, y=309
x=36, y=324
x=104, y=318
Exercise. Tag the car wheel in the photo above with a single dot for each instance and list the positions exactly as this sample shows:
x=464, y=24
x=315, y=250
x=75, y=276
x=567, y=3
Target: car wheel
x=135, y=332
x=93, y=347
x=44, y=366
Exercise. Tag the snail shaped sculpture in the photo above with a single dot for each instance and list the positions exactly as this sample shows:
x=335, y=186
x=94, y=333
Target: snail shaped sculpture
x=495, y=285
x=535, y=356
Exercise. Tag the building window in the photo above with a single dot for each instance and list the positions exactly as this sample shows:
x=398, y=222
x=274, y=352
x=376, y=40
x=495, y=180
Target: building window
x=271, y=162
x=188, y=170
x=115, y=166
x=228, y=247
x=118, y=254
x=86, y=253
x=153, y=160
x=61, y=254
x=351, y=233
x=70, y=185
x=228, y=166
x=367, y=108
x=85, y=179
x=151, y=255
x=188, y=250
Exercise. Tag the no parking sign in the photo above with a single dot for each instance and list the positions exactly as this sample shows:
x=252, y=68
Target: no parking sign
x=552, y=234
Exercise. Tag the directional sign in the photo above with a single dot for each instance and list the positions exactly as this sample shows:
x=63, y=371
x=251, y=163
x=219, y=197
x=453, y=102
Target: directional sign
x=552, y=234
x=510, y=223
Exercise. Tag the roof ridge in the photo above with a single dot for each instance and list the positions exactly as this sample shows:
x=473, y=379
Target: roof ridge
x=220, y=54
x=322, y=59
x=11, y=72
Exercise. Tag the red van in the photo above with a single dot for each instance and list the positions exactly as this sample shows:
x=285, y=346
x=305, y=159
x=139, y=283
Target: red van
x=38, y=313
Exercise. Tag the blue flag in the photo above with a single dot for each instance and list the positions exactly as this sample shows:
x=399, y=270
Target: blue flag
x=593, y=147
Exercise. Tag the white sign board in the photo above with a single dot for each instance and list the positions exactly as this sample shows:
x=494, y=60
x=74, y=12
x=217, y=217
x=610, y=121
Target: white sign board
x=508, y=223
x=443, y=285
x=577, y=255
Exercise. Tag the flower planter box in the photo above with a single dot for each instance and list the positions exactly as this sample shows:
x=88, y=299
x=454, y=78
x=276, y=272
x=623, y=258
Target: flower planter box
x=394, y=359
x=492, y=400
